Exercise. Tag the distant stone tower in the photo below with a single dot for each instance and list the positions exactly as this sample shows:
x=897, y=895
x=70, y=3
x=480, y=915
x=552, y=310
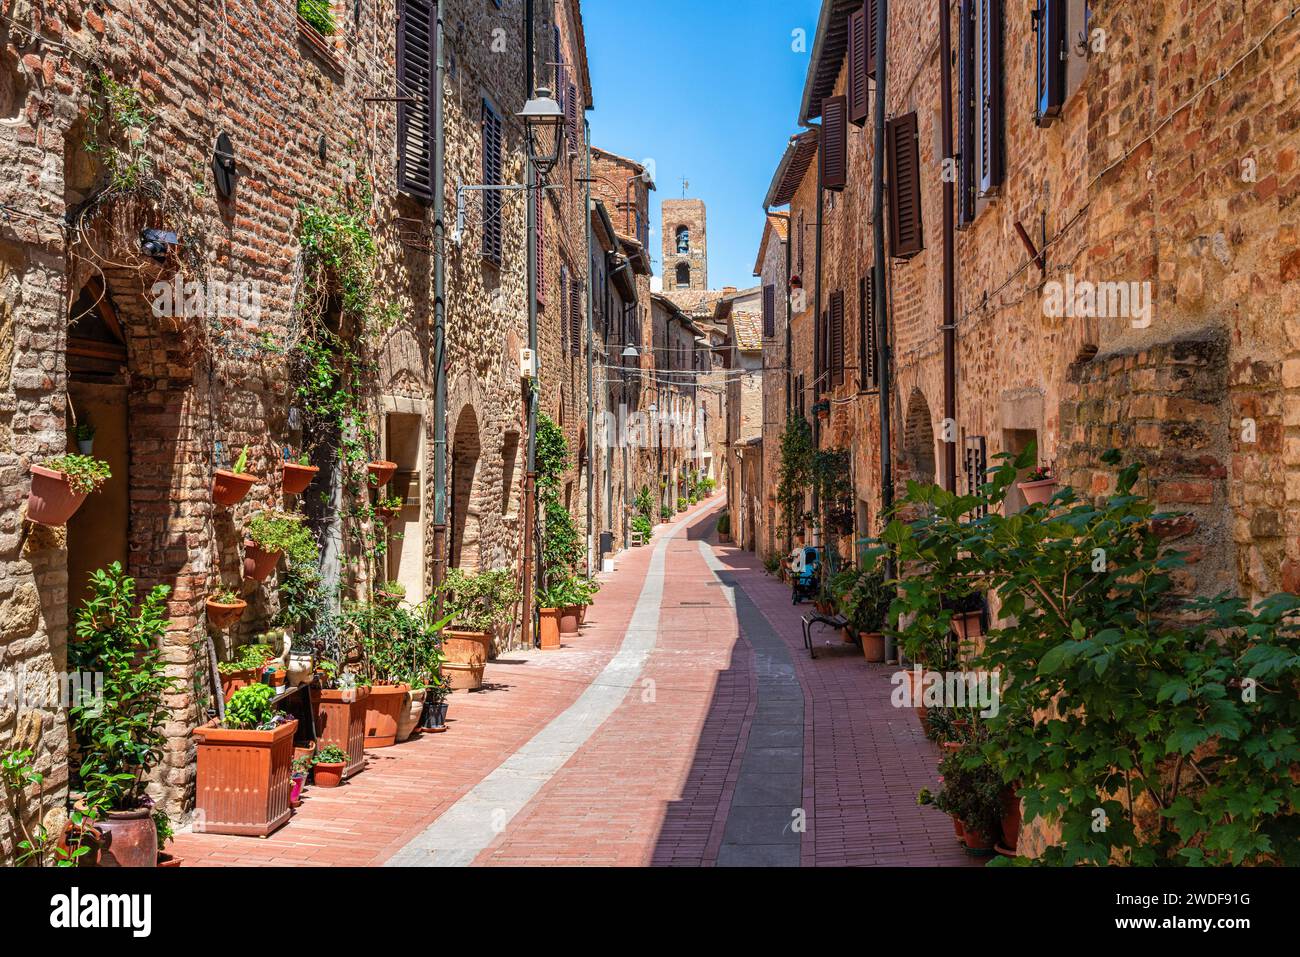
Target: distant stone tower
x=686, y=245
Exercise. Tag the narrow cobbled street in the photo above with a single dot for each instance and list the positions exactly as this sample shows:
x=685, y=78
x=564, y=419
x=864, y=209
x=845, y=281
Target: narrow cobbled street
x=686, y=726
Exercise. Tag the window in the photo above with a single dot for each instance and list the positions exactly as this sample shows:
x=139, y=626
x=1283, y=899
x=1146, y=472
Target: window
x=966, y=111
x=902, y=152
x=1050, y=57
x=835, y=143
x=492, y=162
x=835, y=344
x=577, y=316
x=683, y=276
x=988, y=97
x=416, y=80
x=683, y=240
x=540, y=241
x=769, y=312
x=868, y=351
x=858, y=79
x=976, y=466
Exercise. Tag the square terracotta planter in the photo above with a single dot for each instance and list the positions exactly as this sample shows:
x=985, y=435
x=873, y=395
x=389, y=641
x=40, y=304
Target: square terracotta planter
x=341, y=721
x=243, y=780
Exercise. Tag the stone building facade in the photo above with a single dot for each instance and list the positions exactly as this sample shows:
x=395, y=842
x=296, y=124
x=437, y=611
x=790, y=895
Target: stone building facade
x=1147, y=306
x=772, y=270
x=685, y=244
x=111, y=116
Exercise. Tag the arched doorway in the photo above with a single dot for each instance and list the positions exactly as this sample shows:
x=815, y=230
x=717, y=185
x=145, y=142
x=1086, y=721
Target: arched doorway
x=465, y=453
x=919, y=438
x=97, y=399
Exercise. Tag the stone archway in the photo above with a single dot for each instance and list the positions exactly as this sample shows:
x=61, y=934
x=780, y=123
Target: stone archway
x=918, y=439
x=465, y=453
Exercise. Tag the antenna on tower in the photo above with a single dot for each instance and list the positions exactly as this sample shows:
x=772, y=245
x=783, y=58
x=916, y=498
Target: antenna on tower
x=686, y=184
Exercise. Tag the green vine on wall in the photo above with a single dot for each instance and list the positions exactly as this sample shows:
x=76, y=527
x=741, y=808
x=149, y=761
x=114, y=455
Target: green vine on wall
x=796, y=473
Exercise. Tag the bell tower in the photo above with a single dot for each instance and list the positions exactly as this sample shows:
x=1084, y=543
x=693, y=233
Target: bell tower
x=685, y=245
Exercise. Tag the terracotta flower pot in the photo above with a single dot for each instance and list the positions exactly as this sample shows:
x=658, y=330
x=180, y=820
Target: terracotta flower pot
x=582, y=615
x=958, y=829
x=873, y=646
x=968, y=624
x=341, y=721
x=222, y=616
x=467, y=654
x=230, y=489
x=977, y=842
x=52, y=499
x=383, y=707
x=548, y=631
x=169, y=860
x=1010, y=820
x=232, y=682
x=409, y=718
x=569, y=621
x=1038, y=493
x=128, y=839
x=243, y=779
x=296, y=782
x=328, y=775
x=296, y=478
x=381, y=472
x=258, y=562
x=388, y=515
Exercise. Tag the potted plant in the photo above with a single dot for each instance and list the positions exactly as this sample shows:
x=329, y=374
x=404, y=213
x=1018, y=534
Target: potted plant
x=84, y=433
x=476, y=606
x=587, y=589
x=434, y=719
x=967, y=615
x=244, y=766
x=165, y=834
x=1040, y=485
x=272, y=534
x=409, y=719
x=225, y=608
x=972, y=790
x=230, y=486
x=61, y=485
x=394, y=645
x=390, y=594
x=118, y=733
x=296, y=476
x=327, y=770
x=340, y=705
x=724, y=526
x=390, y=509
x=302, y=764
x=381, y=472
x=866, y=605
x=548, y=617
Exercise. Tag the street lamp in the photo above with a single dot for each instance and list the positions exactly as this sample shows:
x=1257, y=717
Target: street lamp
x=544, y=123
x=630, y=352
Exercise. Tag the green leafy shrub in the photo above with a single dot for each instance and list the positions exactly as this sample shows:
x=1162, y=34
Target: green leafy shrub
x=331, y=754
x=724, y=523
x=85, y=473
x=642, y=525
x=119, y=735
x=481, y=602
x=644, y=502
x=250, y=707
x=1169, y=721
x=972, y=791
x=279, y=532
x=319, y=15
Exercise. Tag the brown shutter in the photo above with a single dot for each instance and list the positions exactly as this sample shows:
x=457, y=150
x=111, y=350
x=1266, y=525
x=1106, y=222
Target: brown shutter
x=835, y=143
x=564, y=310
x=492, y=162
x=541, y=251
x=966, y=113
x=902, y=151
x=577, y=317
x=857, y=64
x=868, y=352
x=415, y=78
x=572, y=115
x=837, y=338
x=769, y=312
x=872, y=11
x=991, y=146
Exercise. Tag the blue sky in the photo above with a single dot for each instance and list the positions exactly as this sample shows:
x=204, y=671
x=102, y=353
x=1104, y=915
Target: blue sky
x=710, y=90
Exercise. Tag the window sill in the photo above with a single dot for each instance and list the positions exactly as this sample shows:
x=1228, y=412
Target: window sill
x=320, y=45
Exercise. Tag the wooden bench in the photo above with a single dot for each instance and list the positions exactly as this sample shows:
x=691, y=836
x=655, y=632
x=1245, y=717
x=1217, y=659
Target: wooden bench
x=835, y=621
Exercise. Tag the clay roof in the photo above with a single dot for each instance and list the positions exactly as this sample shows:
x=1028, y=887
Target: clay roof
x=790, y=172
x=693, y=302
x=777, y=225
x=748, y=330
x=829, y=49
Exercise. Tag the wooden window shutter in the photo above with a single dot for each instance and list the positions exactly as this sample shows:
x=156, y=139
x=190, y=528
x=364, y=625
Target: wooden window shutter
x=541, y=251
x=837, y=338
x=819, y=352
x=868, y=351
x=990, y=113
x=903, y=153
x=976, y=467
x=873, y=9
x=769, y=312
x=835, y=143
x=966, y=113
x=577, y=316
x=416, y=80
x=572, y=115
x=1050, y=30
x=564, y=310
x=858, y=86
x=492, y=234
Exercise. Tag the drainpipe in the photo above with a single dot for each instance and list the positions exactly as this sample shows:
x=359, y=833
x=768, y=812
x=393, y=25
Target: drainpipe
x=949, y=257
x=439, y=321
x=591, y=390
x=878, y=282
x=817, y=343
x=530, y=478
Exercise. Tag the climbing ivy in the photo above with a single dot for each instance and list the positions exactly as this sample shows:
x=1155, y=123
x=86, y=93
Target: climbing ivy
x=796, y=473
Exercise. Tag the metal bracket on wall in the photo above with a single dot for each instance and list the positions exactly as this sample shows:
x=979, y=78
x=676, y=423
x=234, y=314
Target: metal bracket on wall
x=458, y=234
